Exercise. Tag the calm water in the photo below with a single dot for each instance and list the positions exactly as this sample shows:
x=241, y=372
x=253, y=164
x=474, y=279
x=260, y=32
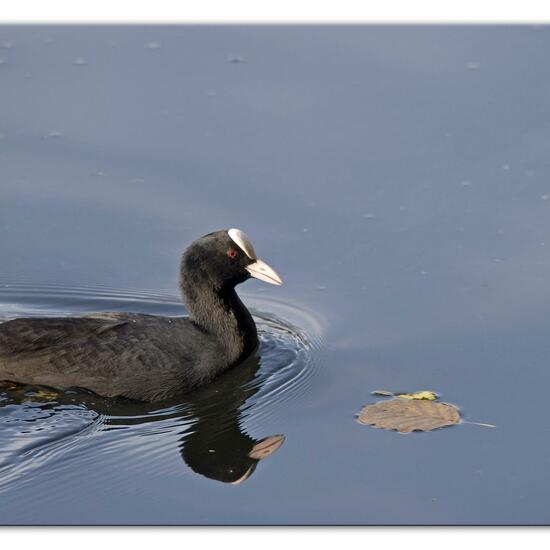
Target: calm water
x=398, y=178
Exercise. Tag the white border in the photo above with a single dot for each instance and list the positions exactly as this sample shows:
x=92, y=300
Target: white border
x=271, y=538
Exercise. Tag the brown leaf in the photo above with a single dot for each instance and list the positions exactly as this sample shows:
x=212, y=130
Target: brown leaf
x=409, y=415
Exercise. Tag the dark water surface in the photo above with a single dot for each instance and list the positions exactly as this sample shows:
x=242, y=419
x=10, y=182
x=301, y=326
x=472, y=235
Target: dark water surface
x=398, y=178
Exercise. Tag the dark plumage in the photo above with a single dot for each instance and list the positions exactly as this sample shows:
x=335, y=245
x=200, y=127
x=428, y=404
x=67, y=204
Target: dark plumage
x=147, y=357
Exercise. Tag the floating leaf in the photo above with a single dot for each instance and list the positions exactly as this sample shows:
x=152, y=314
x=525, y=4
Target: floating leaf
x=420, y=395
x=409, y=415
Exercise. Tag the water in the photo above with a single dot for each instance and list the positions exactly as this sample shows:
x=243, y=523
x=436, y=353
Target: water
x=394, y=176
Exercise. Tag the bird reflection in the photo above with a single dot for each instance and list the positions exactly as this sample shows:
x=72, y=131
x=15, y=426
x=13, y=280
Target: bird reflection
x=214, y=444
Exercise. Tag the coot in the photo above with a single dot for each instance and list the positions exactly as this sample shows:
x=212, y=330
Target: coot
x=147, y=357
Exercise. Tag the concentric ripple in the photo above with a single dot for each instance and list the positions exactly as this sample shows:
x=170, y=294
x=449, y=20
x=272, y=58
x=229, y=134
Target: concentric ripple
x=44, y=433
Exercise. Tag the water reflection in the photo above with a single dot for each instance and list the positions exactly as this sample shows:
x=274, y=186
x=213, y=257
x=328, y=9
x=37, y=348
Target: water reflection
x=213, y=444
x=216, y=446
x=219, y=432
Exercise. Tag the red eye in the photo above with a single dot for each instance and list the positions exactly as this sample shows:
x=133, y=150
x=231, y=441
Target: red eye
x=232, y=253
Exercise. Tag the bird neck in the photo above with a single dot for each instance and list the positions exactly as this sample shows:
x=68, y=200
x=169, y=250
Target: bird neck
x=220, y=312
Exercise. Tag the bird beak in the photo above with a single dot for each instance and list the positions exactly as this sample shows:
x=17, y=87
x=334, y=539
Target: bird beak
x=261, y=450
x=260, y=270
x=266, y=446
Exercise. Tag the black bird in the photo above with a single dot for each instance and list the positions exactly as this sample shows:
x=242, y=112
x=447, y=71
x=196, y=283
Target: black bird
x=147, y=357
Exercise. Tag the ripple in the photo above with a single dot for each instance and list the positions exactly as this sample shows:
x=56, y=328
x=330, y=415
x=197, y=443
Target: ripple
x=51, y=299
x=71, y=432
x=286, y=368
x=33, y=434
